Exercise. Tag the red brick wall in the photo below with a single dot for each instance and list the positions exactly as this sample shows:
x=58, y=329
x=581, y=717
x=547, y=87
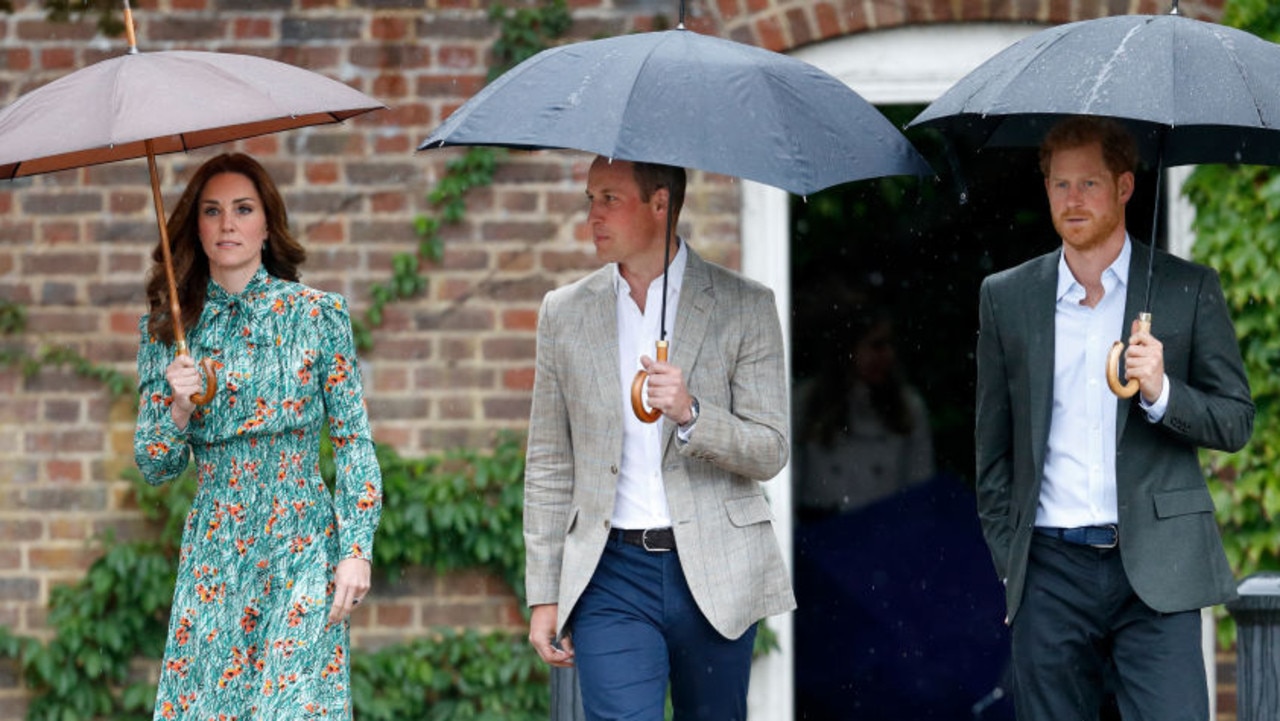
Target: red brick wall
x=449, y=369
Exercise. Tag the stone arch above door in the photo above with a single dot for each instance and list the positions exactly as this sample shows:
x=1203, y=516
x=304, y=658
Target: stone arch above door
x=784, y=26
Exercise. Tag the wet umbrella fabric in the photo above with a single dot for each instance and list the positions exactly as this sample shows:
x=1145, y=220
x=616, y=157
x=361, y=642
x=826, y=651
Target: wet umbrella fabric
x=681, y=98
x=1192, y=91
x=685, y=99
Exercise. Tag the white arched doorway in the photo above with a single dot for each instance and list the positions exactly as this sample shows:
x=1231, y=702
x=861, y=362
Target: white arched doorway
x=898, y=66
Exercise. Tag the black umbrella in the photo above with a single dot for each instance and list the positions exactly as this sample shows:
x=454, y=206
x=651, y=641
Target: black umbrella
x=681, y=98
x=1191, y=92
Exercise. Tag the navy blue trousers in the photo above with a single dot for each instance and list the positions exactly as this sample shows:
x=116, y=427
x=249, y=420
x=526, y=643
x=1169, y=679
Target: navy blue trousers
x=1082, y=630
x=636, y=628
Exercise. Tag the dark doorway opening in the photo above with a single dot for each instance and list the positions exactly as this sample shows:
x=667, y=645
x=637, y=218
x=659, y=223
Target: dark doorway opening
x=900, y=611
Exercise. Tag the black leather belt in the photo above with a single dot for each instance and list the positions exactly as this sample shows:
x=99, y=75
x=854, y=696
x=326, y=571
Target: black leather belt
x=1107, y=536
x=650, y=539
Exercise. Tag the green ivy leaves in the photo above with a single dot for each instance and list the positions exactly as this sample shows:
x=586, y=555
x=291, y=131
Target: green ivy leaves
x=452, y=511
x=523, y=32
x=454, y=676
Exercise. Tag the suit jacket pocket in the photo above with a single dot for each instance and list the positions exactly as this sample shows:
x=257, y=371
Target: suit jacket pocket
x=749, y=510
x=1183, y=502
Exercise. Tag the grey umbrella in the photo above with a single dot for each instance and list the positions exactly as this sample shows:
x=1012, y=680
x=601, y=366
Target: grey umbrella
x=1191, y=91
x=681, y=98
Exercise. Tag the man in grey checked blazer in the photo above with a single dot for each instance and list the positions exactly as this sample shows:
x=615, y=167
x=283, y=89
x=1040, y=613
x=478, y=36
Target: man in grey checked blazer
x=650, y=550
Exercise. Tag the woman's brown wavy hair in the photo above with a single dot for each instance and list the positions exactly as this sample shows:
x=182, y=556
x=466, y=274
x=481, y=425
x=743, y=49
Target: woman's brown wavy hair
x=281, y=254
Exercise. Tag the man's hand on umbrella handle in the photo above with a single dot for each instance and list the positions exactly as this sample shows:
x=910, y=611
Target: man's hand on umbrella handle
x=542, y=635
x=1144, y=361
x=639, y=386
x=667, y=391
x=1127, y=390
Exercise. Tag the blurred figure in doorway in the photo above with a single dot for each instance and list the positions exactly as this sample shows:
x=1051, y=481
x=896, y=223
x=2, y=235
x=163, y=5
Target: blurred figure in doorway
x=862, y=432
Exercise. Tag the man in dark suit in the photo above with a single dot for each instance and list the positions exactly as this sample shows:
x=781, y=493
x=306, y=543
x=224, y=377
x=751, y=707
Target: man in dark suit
x=1095, y=508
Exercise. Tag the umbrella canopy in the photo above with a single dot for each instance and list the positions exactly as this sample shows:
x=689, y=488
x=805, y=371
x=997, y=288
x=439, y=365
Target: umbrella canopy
x=685, y=99
x=179, y=100
x=1192, y=91
x=144, y=104
x=681, y=98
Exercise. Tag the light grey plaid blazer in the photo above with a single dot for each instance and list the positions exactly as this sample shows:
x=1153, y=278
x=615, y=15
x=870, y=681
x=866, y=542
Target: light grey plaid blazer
x=728, y=342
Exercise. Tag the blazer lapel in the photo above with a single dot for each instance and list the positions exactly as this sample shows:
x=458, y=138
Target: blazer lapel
x=693, y=314
x=1041, y=307
x=1135, y=301
x=600, y=333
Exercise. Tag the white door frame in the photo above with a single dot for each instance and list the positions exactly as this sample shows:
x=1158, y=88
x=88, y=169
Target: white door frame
x=898, y=66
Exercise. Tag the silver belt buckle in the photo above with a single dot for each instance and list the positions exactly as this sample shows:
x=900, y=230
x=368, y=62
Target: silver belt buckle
x=1115, y=531
x=644, y=542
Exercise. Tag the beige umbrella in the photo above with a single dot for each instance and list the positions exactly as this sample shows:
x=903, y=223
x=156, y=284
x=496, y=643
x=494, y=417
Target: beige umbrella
x=147, y=104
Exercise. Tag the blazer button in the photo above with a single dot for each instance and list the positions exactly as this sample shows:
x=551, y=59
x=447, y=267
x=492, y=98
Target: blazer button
x=613, y=470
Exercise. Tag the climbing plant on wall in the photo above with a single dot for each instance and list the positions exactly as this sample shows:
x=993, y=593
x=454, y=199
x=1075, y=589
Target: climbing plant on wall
x=450, y=511
x=523, y=33
x=1237, y=229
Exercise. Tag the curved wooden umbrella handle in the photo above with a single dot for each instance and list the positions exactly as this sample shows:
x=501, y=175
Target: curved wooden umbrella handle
x=175, y=308
x=210, y=376
x=647, y=415
x=1126, y=390
x=210, y=383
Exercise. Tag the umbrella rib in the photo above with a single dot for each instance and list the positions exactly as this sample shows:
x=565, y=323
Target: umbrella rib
x=1100, y=79
x=806, y=171
x=997, y=88
x=1242, y=71
x=1010, y=77
x=634, y=85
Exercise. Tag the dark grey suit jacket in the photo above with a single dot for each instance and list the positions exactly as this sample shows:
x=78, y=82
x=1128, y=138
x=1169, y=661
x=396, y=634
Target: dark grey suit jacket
x=1169, y=540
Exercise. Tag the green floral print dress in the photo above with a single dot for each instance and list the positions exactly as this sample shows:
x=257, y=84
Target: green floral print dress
x=249, y=636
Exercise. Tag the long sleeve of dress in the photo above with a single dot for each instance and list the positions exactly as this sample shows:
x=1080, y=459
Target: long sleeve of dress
x=358, y=487
x=159, y=446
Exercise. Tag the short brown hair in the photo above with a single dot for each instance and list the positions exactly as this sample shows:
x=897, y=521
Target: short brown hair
x=652, y=177
x=1119, y=150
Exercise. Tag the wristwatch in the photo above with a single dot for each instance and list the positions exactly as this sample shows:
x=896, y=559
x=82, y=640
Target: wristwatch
x=694, y=418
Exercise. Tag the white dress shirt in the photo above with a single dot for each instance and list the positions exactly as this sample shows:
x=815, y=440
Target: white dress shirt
x=1079, y=484
x=641, y=500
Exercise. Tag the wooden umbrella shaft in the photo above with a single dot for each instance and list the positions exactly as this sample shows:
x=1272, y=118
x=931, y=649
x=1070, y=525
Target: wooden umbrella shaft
x=175, y=307
x=128, y=28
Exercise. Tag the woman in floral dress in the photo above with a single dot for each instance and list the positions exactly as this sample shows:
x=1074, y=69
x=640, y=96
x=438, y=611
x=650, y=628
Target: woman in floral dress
x=272, y=563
